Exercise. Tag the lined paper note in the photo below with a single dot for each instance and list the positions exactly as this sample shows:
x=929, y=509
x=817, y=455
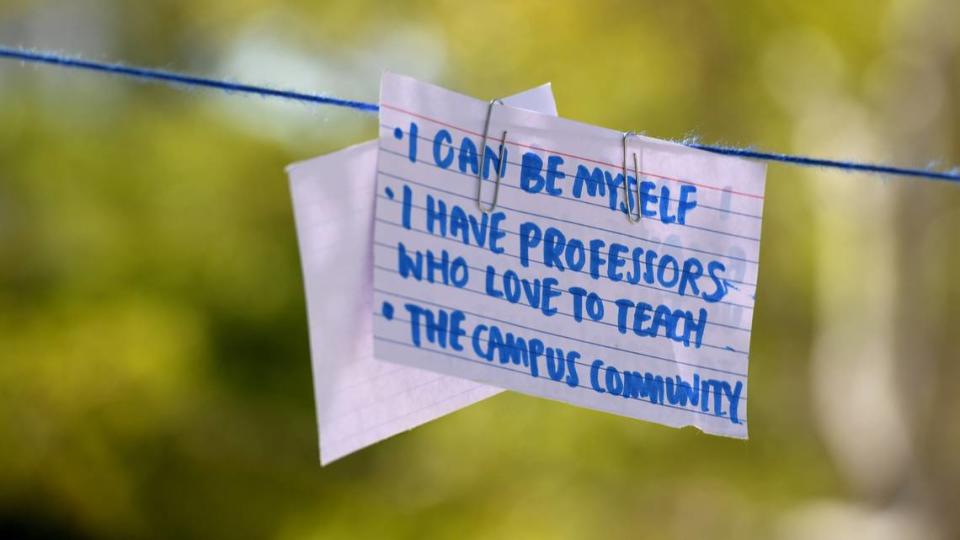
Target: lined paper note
x=555, y=293
x=361, y=400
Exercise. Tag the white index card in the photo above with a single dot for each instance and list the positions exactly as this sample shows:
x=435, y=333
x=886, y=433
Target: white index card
x=555, y=292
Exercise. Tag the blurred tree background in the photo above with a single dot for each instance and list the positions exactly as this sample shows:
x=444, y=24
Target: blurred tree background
x=154, y=366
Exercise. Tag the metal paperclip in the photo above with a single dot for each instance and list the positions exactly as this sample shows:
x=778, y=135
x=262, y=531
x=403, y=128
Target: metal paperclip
x=626, y=189
x=483, y=160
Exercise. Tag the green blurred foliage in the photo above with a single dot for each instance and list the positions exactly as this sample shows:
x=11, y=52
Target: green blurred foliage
x=154, y=362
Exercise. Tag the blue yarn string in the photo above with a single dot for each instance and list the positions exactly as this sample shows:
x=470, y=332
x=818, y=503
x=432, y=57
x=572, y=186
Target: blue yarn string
x=180, y=79
x=804, y=161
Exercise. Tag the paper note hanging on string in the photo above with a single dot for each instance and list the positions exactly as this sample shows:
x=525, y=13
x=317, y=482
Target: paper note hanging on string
x=555, y=293
x=361, y=400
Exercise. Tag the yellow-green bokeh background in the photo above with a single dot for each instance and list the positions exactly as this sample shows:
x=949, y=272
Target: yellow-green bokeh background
x=154, y=366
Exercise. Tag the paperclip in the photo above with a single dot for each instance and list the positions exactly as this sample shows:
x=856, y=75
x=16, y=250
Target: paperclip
x=626, y=189
x=483, y=160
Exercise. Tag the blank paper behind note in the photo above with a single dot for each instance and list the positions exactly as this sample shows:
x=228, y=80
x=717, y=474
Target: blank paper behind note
x=361, y=400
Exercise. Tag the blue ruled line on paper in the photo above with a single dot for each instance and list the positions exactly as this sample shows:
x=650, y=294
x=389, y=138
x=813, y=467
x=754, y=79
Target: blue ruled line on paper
x=594, y=227
x=579, y=363
x=421, y=231
x=725, y=348
x=579, y=386
x=509, y=142
x=574, y=199
x=558, y=312
x=638, y=284
x=515, y=233
x=584, y=341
